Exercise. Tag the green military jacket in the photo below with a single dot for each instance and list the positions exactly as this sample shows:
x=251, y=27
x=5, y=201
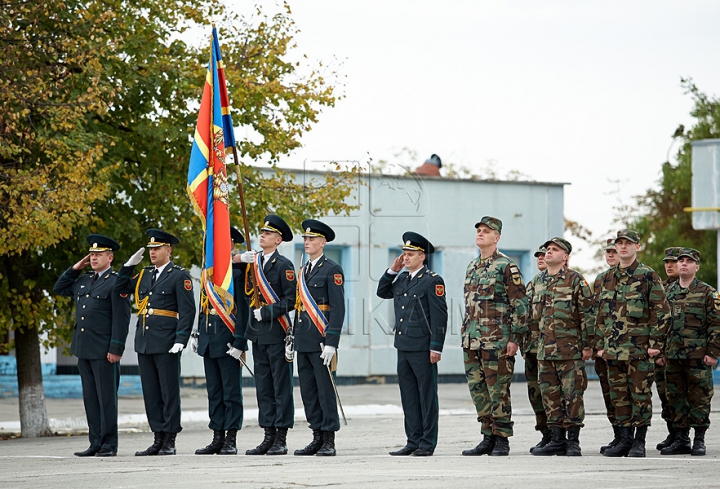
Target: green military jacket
x=695, y=328
x=495, y=304
x=532, y=286
x=632, y=312
x=562, y=311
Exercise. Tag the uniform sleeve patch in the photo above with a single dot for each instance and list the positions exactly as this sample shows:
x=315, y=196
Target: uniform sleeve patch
x=439, y=290
x=338, y=279
x=716, y=298
x=188, y=284
x=290, y=275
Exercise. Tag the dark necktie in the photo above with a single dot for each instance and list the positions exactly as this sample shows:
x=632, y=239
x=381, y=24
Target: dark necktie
x=154, y=277
x=95, y=277
x=307, y=269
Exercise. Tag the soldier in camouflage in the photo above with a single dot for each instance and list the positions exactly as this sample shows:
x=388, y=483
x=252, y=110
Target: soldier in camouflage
x=611, y=258
x=494, y=325
x=529, y=353
x=671, y=271
x=691, y=351
x=562, y=311
x=632, y=315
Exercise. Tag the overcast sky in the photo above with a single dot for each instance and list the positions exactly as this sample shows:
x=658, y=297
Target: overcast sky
x=562, y=91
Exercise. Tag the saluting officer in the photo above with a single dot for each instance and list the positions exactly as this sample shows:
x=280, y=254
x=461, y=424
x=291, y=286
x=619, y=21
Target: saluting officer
x=102, y=317
x=267, y=329
x=320, y=316
x=223, y=372
x=420, y=326
x=166, y=311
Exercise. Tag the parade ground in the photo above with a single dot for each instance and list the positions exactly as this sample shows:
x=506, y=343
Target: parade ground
x=374, y=428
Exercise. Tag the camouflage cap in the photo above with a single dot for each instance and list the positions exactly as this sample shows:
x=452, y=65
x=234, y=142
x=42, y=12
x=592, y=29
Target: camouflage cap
x=671, y=254
x=492, y=222
x=609, y=245
x=628, y=234
x=561, y=242
x=540, y=251
x=691, y=253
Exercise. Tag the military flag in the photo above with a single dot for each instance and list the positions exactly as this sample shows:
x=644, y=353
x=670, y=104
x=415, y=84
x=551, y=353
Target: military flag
x=208, y=186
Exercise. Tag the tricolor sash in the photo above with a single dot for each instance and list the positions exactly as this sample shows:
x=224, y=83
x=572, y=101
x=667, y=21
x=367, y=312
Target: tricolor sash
x=269, y=295
x=310, y=306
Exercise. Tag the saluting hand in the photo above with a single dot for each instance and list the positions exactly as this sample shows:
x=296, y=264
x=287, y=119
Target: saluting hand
x=397, y=264
x=82, y=263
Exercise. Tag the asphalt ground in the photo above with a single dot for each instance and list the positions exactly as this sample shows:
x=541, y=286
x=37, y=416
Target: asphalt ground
x=374, y=427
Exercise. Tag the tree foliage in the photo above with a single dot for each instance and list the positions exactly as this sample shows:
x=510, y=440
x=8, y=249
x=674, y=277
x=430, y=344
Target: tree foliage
x=662, y=221
x=99, y=101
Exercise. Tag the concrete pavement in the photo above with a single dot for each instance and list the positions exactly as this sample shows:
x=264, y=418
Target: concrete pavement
x=374, y=427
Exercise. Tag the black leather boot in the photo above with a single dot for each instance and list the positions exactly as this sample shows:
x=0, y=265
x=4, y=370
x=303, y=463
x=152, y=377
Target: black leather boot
x=546, y=437
x=638, y=448
x=314, y=445
x=264, y=445
x=215, y=445
x=668, y=439
x=573, y=442
x=502, y=447
x=681, y=444
x=229, y=447
x=557, y=445
x=615, y=440
x=280, y=445
x=328, y=446
x=155, y=447
x=485, y=447
x=168, y=447
x=698, y=447
x=624, y=444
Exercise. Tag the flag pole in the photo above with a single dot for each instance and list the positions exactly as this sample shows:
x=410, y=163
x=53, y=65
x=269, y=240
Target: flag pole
x=256, y=296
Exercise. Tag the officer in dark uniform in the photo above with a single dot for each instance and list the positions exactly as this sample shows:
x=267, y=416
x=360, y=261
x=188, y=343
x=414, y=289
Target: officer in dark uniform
x=223, y=373
x=166, y=311
x=420, y=324
x=267, y=330
x=102, y=317
x=320, y=317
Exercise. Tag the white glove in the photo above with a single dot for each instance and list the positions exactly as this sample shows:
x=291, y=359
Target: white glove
x=194, y=342
x=327, y=354
x=248, y=257
x=258, y=314
x=235, y=353
x=176, y=348
x=136, y=258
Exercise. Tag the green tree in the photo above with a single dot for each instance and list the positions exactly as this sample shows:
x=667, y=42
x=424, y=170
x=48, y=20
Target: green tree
x=99, y=101
x=662, y=221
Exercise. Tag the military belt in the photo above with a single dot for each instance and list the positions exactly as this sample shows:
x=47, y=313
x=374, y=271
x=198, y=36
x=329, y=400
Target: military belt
x=159, y=312
x=322, y=307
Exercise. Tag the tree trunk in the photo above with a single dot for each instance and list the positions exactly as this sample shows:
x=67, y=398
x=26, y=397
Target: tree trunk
x=31, y=397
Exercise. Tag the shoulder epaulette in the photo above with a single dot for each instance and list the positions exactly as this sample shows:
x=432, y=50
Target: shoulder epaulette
x=149, y=267
x=178, y=267
x=433, y=274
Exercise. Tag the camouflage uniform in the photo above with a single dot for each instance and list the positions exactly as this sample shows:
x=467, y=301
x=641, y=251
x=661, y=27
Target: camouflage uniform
x=600, y=364
x=695, y=332
x=563, y=314
x=631, y=314
x=495, y=314
x=529, y=351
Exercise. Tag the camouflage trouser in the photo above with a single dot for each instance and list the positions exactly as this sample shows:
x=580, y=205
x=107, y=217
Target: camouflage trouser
x=661, y=385
x=562, y=383
x=689, y=391
x=531, y=374
x=630, y=391
x=601, y=371
x=489, y=373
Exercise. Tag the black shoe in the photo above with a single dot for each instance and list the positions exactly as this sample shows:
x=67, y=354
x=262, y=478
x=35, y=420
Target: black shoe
x=264, y=445
x=90, y=452
x=314, y=446
x=638, y=448
x=557, y=445
x=668, y=439
x=546, y=437
x=229, y=447
x=106, y=452
x=328, y=446
x=155, y=447
x=168, y=447
x=502, y=447
x=485, y=447
x=615, y=440
x=421, y=452
x=624, y=444
x=573, y=443
x=698, y=447
x=406, y=450
x=681, y=444
x=215, y=445
x=280, y=445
